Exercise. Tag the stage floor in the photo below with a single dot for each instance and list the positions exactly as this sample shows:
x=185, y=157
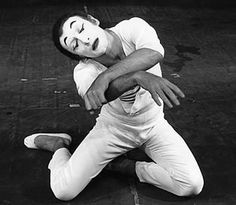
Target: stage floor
x=37, y=94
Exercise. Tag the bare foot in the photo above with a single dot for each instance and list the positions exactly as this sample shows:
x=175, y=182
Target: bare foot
x=50, y=143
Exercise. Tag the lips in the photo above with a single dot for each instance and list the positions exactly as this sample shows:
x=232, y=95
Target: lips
x=95, y=44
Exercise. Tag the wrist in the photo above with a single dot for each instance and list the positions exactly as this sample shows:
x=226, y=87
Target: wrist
x=106, y=76
x=137, y=77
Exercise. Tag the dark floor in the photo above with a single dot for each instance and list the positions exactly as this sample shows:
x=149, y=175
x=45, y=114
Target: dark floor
x=38, y=95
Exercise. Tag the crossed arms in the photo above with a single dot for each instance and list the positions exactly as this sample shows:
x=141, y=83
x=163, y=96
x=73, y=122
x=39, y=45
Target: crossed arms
x=90, y=83
x=127, y=74
x=155, y=85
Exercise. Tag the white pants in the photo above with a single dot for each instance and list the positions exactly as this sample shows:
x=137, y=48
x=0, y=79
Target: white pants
x=173, y=168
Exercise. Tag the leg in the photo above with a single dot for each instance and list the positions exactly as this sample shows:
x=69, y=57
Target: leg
x=174, y=168
x=70, y=174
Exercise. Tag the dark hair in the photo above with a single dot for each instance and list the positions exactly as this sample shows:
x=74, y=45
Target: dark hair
x=57, y=32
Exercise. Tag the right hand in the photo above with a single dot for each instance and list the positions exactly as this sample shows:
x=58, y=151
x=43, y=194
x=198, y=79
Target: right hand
x=160, y=87
x=95, y=97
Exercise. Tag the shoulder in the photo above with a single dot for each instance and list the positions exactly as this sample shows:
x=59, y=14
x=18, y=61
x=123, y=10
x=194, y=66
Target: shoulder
x=85, y=64
x=85, y=72
x=129, y=23
x=88, y=68
x=137, y=20
x=83, y=69
x=88, y=65
x=132, y=28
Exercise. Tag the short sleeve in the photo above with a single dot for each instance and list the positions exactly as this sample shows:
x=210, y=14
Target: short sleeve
x=84, y=75
x=142, y=35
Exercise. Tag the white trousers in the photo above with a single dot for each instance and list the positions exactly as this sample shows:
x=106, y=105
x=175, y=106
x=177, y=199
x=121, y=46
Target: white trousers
x=173, y=169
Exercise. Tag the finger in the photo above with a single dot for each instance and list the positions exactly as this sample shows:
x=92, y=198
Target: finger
x=91, y=101
x=96, y=100
x=176, y=89
x=171, y=95
x=87, y=103
x=102, y=98
x=156, y=98
x=164, y=98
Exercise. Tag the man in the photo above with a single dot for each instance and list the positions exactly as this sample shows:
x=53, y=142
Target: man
x=119, y=72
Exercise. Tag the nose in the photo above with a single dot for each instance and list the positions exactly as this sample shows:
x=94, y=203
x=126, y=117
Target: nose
x=84, y=39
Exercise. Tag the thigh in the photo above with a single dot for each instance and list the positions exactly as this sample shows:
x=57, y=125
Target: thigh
x=102, y=144
x=168, y=149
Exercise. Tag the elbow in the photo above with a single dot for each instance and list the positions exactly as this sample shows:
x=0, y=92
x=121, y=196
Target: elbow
x=155, y=57
x=158, y=56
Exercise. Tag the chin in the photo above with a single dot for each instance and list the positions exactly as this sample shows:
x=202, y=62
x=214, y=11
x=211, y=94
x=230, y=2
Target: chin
x=98, y=54
x=95, y=55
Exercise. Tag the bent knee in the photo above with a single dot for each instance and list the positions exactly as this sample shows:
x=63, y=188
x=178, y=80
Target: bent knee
x=64, y=186
x=64, y=194
x=63, y=190
x=193, y=186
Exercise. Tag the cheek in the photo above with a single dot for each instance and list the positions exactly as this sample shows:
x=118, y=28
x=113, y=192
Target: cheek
x=69, y=50
x=66, y=48
x=61, y=43
x=83, y=52
x=94, y=31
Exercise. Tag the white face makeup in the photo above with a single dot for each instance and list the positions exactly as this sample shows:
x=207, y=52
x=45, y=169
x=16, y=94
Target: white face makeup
x=83, y=38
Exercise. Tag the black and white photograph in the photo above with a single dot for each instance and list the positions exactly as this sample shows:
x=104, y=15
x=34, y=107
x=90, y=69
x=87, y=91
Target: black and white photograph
x=120, y=102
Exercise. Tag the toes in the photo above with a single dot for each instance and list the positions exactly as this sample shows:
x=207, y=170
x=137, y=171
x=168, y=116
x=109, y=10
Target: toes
x=29, y=142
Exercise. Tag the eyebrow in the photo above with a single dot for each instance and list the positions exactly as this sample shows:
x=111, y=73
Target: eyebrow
x=70, y=27
x=72, y=23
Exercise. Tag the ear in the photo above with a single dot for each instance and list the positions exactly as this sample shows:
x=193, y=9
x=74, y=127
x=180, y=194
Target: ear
x=93, y=20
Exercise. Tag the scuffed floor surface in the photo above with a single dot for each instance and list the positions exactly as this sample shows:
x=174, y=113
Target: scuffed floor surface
x=37, y=94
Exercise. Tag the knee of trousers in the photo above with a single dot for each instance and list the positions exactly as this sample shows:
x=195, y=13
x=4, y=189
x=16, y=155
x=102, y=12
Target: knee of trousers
x=193, y=185
x=65, y=193
x=64, y=188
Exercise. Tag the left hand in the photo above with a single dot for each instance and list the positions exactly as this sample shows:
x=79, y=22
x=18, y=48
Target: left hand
x=95, y=95
x=159, y=87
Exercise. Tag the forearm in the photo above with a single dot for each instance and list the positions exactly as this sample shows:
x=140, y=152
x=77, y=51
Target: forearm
x=120, y=85
x=139, y=60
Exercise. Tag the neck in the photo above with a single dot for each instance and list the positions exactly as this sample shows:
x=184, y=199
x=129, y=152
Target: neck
x=114, y=52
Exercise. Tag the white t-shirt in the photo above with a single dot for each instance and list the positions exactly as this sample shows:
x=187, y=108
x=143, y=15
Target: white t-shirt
x=134, y=34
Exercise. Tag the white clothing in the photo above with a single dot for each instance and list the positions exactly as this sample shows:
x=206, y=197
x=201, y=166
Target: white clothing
x=122, y=126
x=134, y=34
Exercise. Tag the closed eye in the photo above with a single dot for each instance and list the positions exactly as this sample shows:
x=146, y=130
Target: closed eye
x=76, y=44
